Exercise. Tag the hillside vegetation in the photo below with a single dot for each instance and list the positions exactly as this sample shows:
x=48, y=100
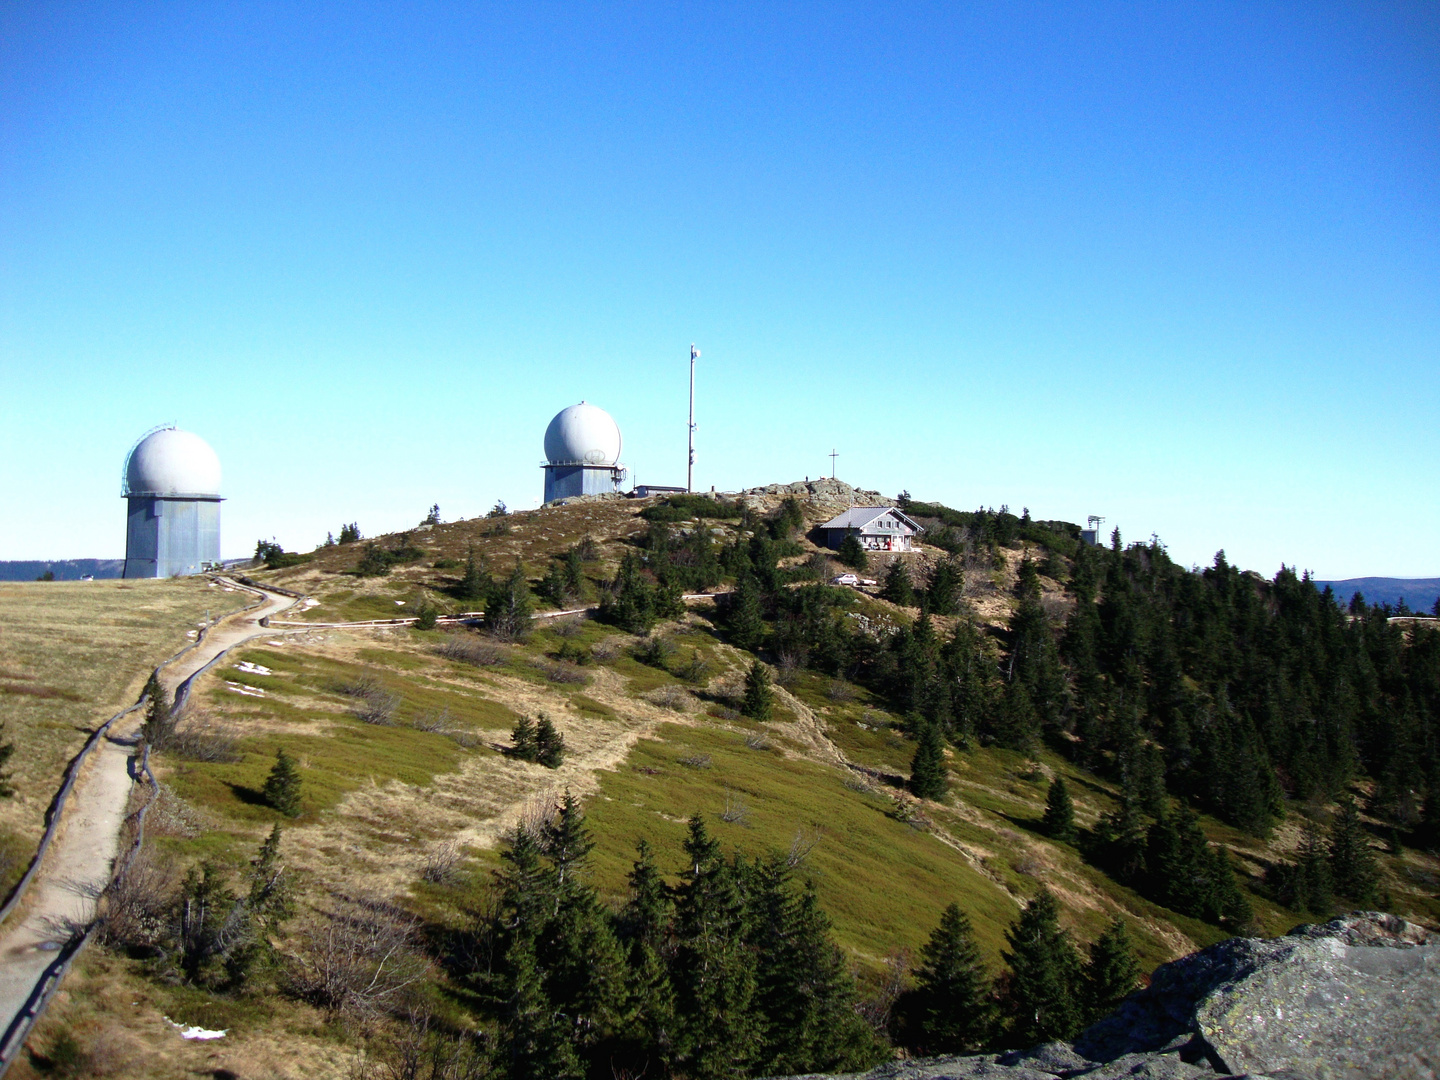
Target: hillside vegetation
x=71, y=655
x=1008, y=722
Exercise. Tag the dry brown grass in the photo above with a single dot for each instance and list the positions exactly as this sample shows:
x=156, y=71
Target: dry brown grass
x=75, y=652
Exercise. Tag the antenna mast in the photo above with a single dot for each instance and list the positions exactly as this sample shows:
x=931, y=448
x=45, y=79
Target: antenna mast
x=690, y=465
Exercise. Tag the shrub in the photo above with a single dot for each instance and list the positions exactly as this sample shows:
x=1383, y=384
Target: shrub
x=686, y=506
x=373, y=562
x=426, y=616
x=359, y=958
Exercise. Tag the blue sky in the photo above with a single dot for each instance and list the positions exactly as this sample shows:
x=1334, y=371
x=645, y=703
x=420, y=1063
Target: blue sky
x=1178, y=265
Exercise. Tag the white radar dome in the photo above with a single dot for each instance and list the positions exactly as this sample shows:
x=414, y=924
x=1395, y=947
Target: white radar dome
x=582, y=435
x=173, y=462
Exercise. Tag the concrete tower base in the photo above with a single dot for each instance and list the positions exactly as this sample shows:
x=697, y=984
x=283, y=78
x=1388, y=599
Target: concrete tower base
x=564, y=481
x=171, y=537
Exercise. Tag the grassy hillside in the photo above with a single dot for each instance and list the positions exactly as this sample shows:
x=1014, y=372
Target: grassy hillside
x=71, y=655
x=407, y=792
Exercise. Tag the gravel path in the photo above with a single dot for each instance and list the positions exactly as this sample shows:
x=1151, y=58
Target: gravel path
x=78, y=864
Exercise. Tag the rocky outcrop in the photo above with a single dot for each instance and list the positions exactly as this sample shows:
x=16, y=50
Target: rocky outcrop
x=1357, y=997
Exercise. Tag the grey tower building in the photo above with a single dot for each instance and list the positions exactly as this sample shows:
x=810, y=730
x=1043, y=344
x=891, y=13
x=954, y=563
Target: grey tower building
x=582, y=448
x=172, y=486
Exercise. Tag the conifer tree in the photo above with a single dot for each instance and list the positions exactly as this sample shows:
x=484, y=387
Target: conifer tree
x=1113, y=970
x=713, y=970
x=630, y=601
x=955, y=1012
x=1120, y=843
x=159, y=723
x=744, y=617
x=852, y=554
x=927, y=766
x=942, y=593
x=573, y=570
x=549, y=744
x=1046, y=988
x=643, y=925
x=805, y=992
x=554, y=587
x=582, y=965
x=1059, y=819
x=508, y=605
x=646, y=915
x=1305, y=884
x=897, y=586
x=7, y=751
x=534, y=1041
x=282, y=787
x=1352, y=862
x=759, y=700
x=1016, y=726
x=475, y=583
x=522, y=740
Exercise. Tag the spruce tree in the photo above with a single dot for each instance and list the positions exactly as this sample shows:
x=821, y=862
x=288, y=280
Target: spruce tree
x=1046, y=988
x=897, y=586
x=573, y=570
x=475, y=583
x=942, y=593
x=1352, y=861
x=522, y=740
x=7, y=751
x=282, y=787
x=1059, y=821
x=643, y=925
x=1113, y=971
x=581, y=961
x=534, y=1040
x=806, y=994
x=554, y=587
x=159, y=723
x=549, y=744
x=508, y=605
x=744, y=618
x=1016, y=726
x=927, y=766
x=852, y=554
x=954, y=1009
x=1305, y=884
x=759, y=700
x=713, y=969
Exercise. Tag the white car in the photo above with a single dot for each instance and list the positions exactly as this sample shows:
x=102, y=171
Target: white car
x=845, y=579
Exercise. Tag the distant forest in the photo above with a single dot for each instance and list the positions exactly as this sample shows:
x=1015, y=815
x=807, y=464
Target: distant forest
x=63, y=569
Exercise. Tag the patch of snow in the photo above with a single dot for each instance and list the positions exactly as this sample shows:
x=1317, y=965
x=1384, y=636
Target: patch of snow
x=241, y=688
x=274, y=643
x=252, y=669
x=399, y=603
x=194, y=1031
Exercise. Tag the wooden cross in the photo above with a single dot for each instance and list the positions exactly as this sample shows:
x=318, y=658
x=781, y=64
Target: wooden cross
x=833, y=455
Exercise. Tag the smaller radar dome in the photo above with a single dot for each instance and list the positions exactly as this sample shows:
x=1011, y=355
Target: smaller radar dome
x=175, y=463
x=583, y=434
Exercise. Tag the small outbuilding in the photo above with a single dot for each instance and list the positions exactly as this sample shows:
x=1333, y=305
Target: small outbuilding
x=878, y=528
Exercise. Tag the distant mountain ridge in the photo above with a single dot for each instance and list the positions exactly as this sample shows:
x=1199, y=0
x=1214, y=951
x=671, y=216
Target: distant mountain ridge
x=1419, y=593
x=63, y=569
